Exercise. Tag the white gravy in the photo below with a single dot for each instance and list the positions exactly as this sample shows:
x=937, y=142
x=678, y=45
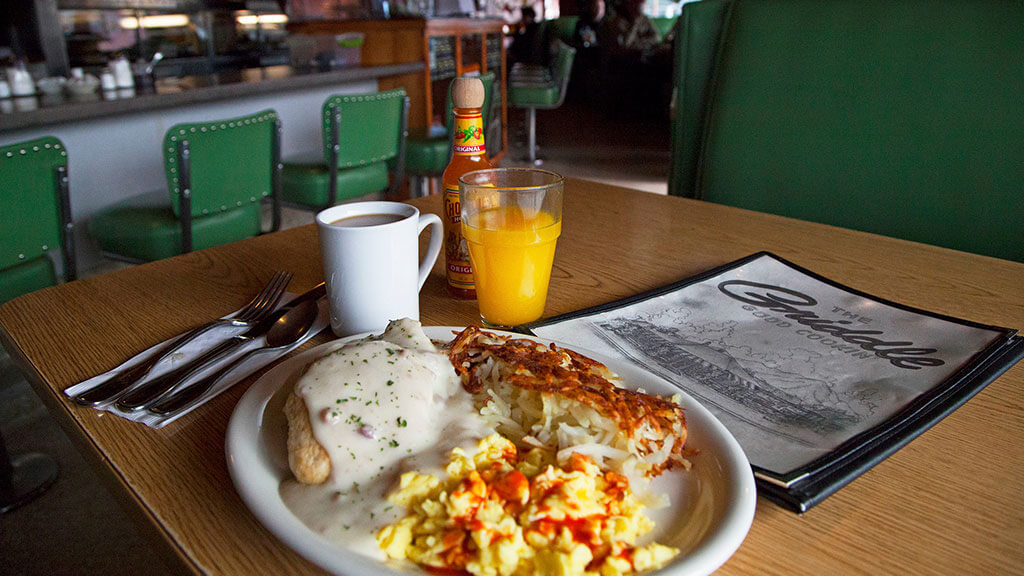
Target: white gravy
x=379, y=407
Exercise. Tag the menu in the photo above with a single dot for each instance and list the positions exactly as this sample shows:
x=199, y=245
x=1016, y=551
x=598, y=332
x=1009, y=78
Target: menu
x=817, y=381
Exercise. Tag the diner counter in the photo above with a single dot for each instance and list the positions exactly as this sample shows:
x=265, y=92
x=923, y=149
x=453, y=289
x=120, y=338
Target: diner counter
x=35, y=111
x=115, y=148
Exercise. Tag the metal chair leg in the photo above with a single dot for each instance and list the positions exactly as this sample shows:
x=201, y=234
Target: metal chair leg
x=419, y=185
x=24, y=477
x=532, y=133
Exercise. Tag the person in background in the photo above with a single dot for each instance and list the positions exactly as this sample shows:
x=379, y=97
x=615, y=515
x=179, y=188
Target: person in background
x=634, y=62
x=585, y=83
x=628, y=32
x=585, y=35
x=529, y=45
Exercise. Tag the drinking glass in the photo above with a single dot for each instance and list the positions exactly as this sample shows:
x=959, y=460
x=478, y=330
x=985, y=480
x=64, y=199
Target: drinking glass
x=511, y=219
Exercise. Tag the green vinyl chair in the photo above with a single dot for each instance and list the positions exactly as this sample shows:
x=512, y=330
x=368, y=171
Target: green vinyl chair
x=562, y=28
x=34, y=196
x=897, y=117
x=364, y=138
x=545, y=93
x=663, y=25
x=428, y=150
x=218, y=173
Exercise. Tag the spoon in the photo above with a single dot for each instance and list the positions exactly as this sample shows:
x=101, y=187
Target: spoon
x=288, y=329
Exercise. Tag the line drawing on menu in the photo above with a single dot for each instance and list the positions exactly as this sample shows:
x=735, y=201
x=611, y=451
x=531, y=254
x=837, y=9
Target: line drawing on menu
x=681, y=360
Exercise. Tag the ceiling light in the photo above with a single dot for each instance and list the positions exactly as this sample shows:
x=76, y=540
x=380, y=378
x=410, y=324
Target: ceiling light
x=159, y=21
x=252, y=19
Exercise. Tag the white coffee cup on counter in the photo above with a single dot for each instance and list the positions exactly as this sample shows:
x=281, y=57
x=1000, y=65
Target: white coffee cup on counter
x=371, y=262
x=107, y=81
x=20, y=81
x=122, y=71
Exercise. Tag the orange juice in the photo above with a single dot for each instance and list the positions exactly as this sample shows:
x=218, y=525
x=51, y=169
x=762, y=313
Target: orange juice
x=511, y=255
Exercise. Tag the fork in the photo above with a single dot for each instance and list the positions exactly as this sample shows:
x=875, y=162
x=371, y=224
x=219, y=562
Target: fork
x=250, y=314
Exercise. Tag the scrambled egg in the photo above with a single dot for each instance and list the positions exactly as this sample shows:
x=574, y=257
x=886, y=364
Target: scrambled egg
x=499, y=514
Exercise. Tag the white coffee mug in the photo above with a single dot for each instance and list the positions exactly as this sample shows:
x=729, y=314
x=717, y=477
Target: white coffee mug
x=370, y=252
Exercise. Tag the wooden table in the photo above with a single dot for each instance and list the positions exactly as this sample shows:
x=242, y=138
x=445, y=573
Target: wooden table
x=948, y=502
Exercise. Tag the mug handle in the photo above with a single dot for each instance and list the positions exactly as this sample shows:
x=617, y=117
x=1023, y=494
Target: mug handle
x=434, y=248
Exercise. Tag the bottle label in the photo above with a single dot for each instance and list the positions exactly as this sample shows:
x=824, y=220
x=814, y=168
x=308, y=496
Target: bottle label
x=468, y=136
x=456, y=254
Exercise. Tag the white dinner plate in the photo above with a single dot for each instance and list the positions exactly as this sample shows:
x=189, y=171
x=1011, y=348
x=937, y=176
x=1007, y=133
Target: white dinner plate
x=712, y=503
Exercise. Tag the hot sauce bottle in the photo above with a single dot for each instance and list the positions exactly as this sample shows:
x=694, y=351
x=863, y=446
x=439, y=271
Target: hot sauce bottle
x=468, y=154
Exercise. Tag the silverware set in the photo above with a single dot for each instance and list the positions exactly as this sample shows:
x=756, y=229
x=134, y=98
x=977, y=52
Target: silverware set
x=176, y=390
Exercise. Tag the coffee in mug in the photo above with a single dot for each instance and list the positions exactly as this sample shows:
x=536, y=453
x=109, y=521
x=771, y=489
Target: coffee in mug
x=362, y=220
x=371, y=261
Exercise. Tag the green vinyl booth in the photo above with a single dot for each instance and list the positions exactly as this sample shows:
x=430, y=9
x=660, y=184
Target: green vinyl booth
x=364, y=138
x=218, y=173
x=428, y=150
x=897, y=117
x=34, y=197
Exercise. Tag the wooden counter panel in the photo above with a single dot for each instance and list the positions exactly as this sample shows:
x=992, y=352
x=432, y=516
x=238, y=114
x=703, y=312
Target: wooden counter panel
x=408, y=40
x=413, y=85
x=455, y=26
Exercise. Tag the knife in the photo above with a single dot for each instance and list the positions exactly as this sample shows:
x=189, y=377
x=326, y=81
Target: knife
x=151, y=391
x=292, y=326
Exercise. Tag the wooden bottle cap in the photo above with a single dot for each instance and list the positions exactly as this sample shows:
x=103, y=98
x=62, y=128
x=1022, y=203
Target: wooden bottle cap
x=468, y=92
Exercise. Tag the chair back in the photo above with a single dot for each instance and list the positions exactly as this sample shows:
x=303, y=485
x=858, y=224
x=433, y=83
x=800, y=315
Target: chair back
x=231, y=163
x=561, y=69
x=562, y=28
x=370, y=130
x=33, y=197
x=663, y=25
x=899, y=117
